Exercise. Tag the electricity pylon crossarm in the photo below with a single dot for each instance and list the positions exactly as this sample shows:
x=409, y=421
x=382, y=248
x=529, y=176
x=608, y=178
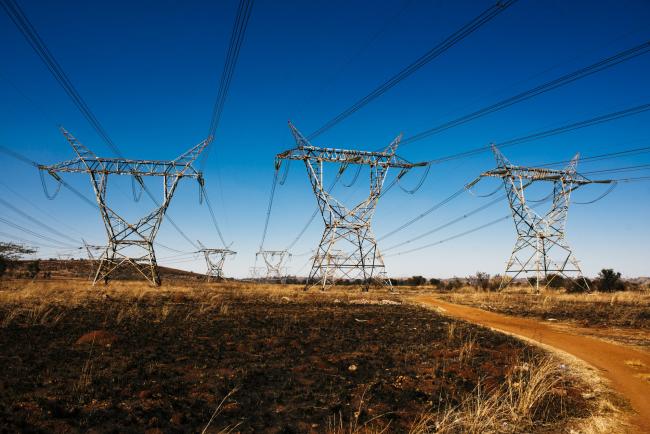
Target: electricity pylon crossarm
x=541, y=248
x=128, y=243
x=215, y=260
x=348, y=248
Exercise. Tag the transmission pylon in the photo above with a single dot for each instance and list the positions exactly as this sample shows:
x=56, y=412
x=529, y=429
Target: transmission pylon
x=348, y=248
x=215, y=259
x=541, y=249
x=128, y=243
x=275, y=265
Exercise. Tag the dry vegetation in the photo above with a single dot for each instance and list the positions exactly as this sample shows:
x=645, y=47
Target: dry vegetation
x=626, y=309
x=235, y=357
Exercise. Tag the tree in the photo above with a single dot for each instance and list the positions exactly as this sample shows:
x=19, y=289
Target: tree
x=609, y=281
x=33, y=268
x=416, y=281
x=480, y=280
x=11, y=252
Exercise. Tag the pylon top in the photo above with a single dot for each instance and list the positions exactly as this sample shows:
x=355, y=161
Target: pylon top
x=568, y=174
x=306, y=151
x=88, y=162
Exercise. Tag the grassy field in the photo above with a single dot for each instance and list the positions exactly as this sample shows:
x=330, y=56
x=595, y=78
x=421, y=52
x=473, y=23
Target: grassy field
x=620, y=316
x=237, y=357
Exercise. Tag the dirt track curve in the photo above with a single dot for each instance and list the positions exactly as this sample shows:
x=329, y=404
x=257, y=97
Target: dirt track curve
x=607, y=357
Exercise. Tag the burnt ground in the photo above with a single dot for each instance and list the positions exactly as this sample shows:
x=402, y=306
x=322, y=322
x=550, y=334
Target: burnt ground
x=165, y=363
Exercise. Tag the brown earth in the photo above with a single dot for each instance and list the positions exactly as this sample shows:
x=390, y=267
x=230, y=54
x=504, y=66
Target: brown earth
x=627, y=369
x=268, y=363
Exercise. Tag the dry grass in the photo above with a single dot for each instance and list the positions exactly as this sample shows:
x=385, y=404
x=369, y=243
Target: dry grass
x=514, y=407
x=628, y=309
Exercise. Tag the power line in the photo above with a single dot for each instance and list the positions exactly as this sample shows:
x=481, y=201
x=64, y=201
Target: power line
x=274, y=184
x=29, y=32
x=445, y=45
x=462, y=234
x=29, y=242
x=451, y=222
x=34, y=233
x=36, y=221
x=620, y=57
x=43, y=212
x=80, y=195
x=547, y=133
x=388, y=23
x=212, y=215
x=236, y=39
x=493, y=222
x=31, y=35
x=457, y=193
x=424, y=214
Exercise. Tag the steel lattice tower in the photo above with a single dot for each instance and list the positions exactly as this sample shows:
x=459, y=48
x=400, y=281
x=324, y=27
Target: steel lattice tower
x=348, y=248
x=541, y=249
x=274, y=264
x=129, y=243
x=215, y=259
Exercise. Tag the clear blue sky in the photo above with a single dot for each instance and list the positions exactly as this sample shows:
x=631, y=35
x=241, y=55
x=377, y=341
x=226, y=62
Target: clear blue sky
x=150, y=71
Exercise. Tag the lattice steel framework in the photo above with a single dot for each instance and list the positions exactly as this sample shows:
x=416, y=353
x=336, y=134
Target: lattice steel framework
x=348, y=248
x=215, y=259
x=92, y=251
x=275, y=265
x=541, y=249
x=128, y=243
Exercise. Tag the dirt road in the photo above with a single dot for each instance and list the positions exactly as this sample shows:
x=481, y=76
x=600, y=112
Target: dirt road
x=623, y=366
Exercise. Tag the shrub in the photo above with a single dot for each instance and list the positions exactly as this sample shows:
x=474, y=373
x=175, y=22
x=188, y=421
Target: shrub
x=609, y=281
x=480, y=281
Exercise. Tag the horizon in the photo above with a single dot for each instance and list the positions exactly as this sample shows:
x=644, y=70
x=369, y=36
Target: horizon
x=152, y=81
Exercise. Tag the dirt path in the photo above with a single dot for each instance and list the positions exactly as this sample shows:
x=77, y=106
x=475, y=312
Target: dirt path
x=623, y=366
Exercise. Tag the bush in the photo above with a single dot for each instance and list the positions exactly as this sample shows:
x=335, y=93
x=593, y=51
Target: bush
x=416, y=281
x=609, y=281
x=480, y=281
x=11, y=252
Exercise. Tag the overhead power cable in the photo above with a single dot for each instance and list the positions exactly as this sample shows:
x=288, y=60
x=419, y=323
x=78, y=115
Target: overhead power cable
x=41, y=210
x=28, y=242
x=34, y=233
x=449, y=223
x=236, y=40
x=620, y=57
x=388, y=23
x=36, y=221
x=453, y=237
x=33, y=38
x=599, y=157
x=424, y=214
x=507, y=217
x=76, y=192
x=547, y=133
x=269, y=207
x=493, y=222
x=445, y=45
x=212, y=215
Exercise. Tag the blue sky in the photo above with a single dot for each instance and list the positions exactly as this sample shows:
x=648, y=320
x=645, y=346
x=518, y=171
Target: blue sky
x=150, y=71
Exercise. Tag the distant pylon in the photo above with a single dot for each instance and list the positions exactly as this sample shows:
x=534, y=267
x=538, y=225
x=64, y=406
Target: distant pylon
x=92, y=251
x=275, y=268
x=215, y=259
x=129, y=243
x=348, y=249
x=541, y=248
